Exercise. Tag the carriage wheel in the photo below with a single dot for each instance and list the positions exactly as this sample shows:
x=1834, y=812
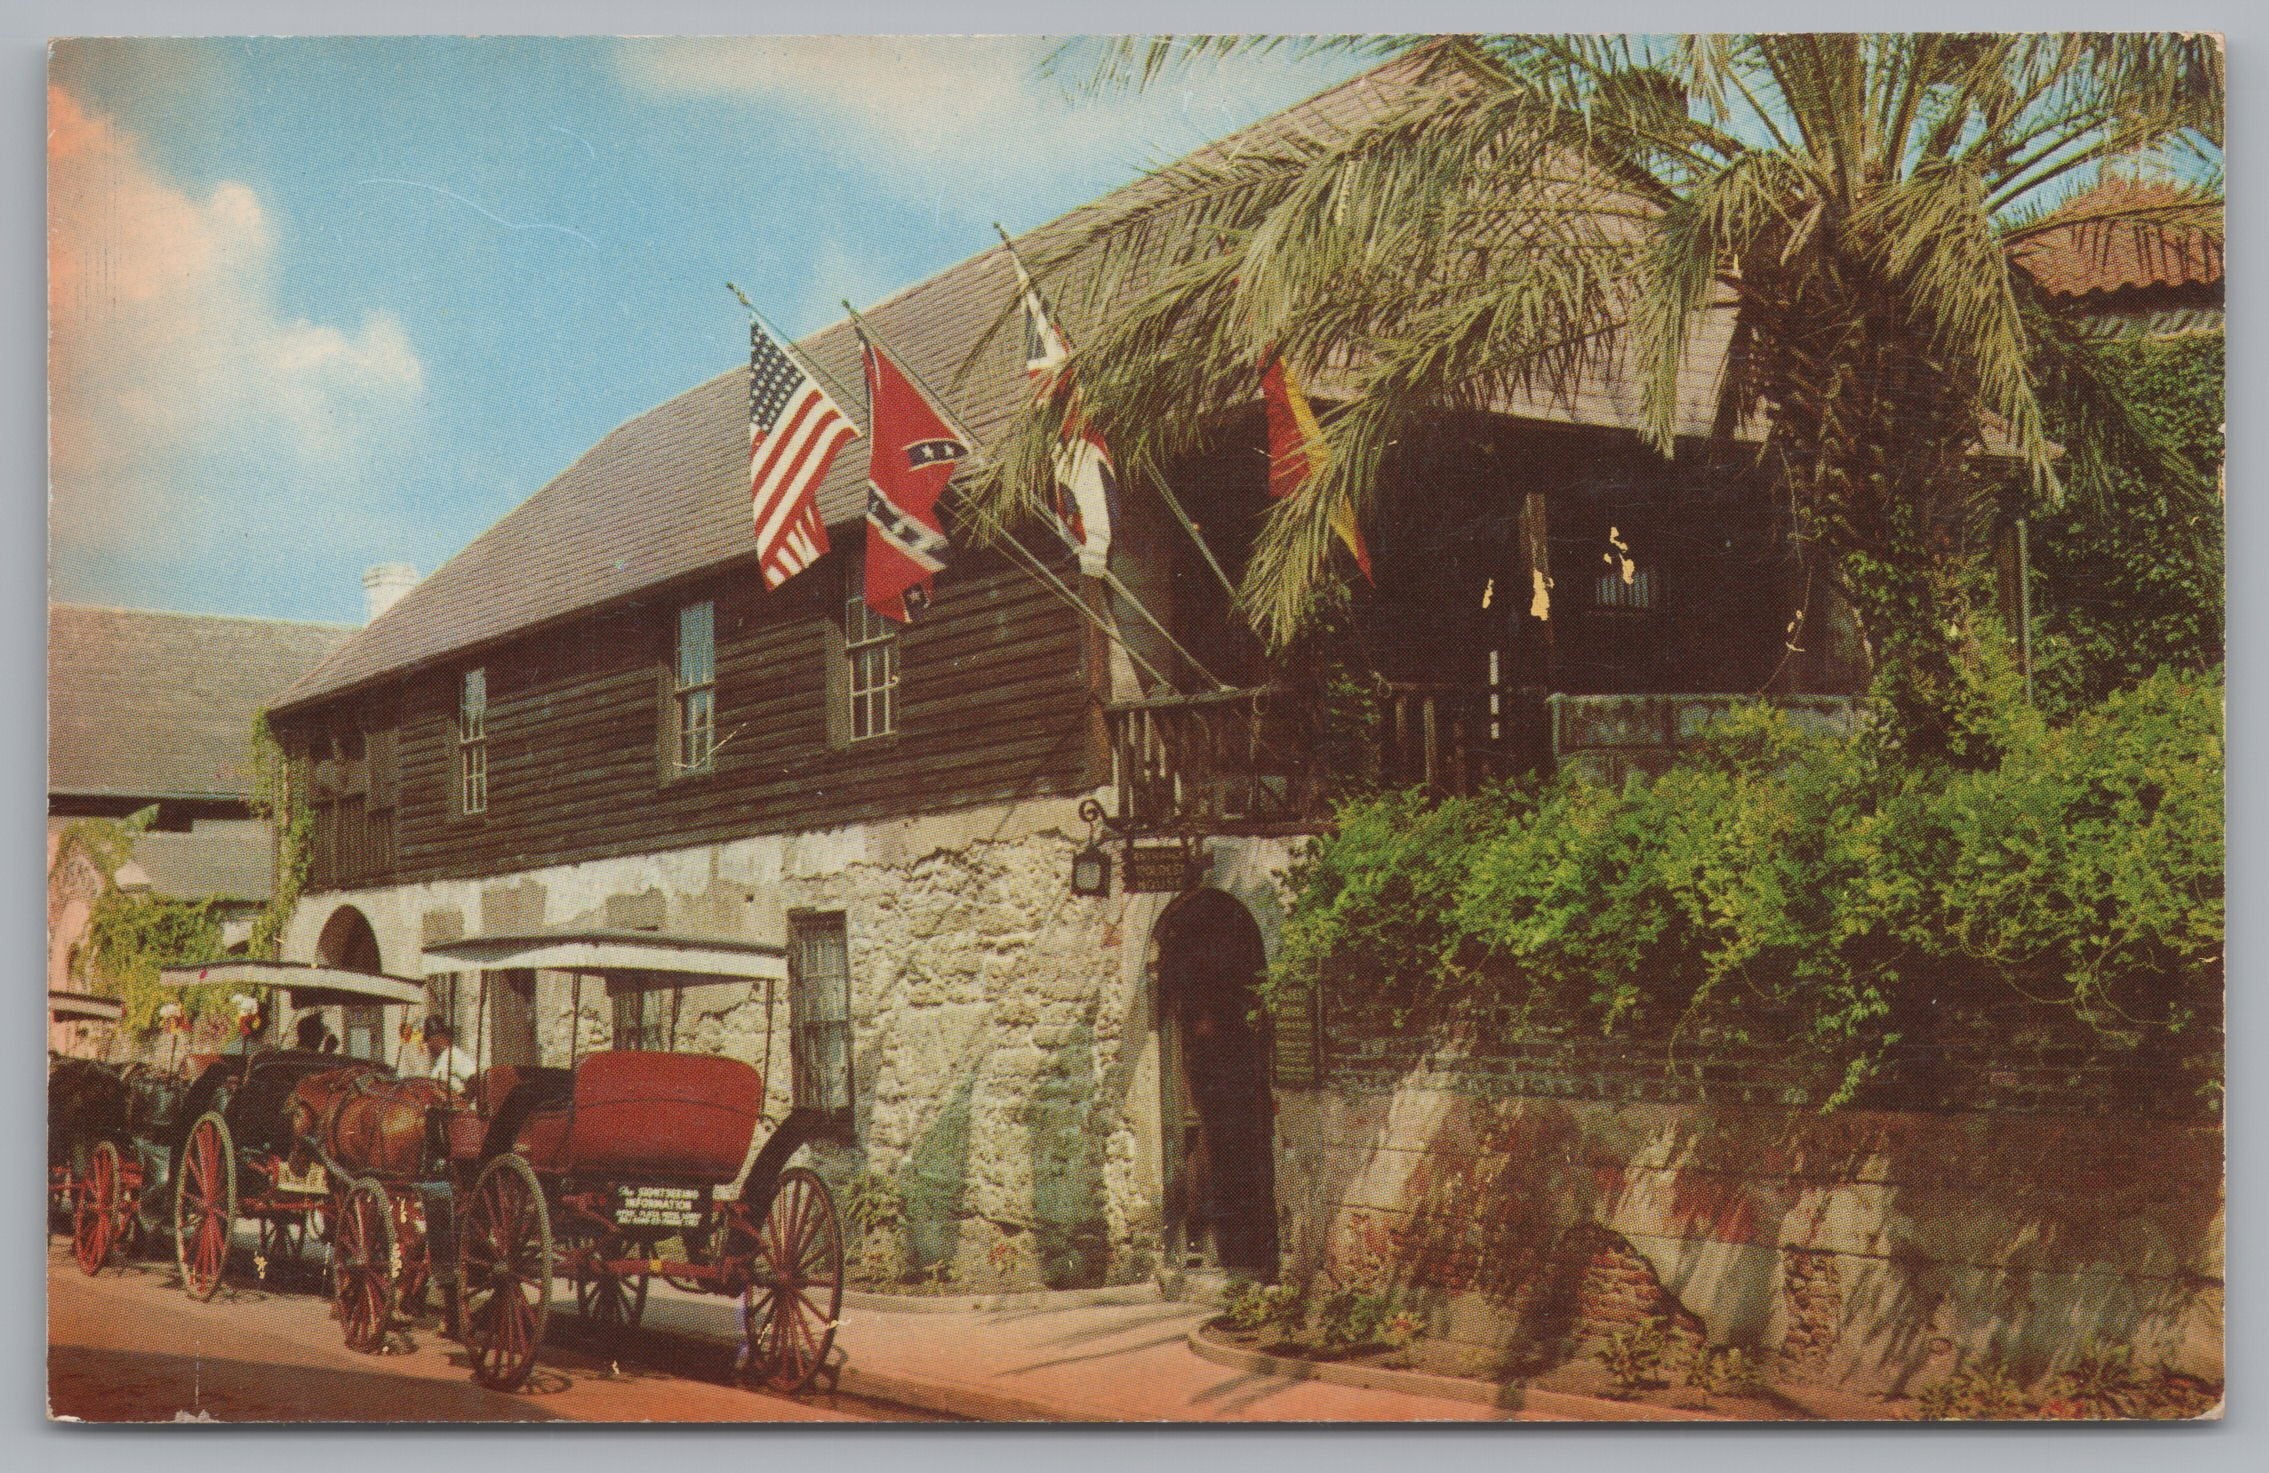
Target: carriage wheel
x=281, y=1238
x=696, y=1246
x=504, y=1264
x=204, y=1205
x=95, y=1218
x=362, y=1266
x=613, y=1300
x=790, y=1310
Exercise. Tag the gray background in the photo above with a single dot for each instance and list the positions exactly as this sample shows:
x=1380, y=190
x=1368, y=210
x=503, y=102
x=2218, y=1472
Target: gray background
x=2238, y=1442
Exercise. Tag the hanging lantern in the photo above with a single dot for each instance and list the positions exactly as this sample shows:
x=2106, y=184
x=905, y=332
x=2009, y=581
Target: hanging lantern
x=1091, y=871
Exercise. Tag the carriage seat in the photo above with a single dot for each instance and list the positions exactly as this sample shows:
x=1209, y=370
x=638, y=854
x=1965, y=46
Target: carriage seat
x=505, y=1097
x=650, y=1116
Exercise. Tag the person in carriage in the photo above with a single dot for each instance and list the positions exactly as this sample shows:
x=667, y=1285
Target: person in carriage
x=446, y=1064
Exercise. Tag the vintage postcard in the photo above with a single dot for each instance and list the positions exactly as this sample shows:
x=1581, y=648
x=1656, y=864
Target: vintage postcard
x=1484, y=728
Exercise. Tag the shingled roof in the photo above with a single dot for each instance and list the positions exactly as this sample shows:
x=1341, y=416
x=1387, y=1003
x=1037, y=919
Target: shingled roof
x=665, y=495
x=155, y=705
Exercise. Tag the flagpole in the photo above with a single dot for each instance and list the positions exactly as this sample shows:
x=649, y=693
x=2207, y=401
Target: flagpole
x=1165, y=491
x=945, y=412
x=1035, y=561
x=789, y=345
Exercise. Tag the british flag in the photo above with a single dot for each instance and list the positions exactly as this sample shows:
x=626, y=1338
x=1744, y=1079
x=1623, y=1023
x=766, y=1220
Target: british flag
x=794, y=430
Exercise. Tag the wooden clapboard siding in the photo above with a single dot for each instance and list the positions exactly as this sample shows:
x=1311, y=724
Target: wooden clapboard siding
x=992, y=705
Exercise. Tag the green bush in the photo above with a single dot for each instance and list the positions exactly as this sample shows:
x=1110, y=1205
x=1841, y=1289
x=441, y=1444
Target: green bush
x=1635, y=1356
x=2128, y=574
x=1251, y=1308
x=1821, y=896
x=1979, y=1393
x=1722, y=1370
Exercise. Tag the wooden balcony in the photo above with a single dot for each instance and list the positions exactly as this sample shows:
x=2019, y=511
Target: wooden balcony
x=1272, y=757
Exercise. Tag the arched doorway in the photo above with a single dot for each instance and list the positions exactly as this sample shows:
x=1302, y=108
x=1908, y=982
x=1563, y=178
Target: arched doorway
x=1220, y=1115
x=348, y=941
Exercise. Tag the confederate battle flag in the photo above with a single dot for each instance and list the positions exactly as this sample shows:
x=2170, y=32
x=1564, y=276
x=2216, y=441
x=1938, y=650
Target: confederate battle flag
x=914, y=454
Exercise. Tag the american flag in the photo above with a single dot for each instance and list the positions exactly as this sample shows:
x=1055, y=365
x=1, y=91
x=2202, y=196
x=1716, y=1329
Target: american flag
x=794, y=430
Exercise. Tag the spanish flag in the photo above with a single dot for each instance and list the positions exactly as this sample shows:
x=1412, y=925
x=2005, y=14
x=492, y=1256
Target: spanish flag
x=1297, y=452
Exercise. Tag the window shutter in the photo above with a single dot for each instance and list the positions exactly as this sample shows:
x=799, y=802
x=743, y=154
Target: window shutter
x=838, y=684
x=665, y=721
x=380, y=751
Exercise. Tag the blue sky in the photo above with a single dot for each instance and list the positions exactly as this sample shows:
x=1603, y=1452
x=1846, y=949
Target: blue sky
x=318, y=304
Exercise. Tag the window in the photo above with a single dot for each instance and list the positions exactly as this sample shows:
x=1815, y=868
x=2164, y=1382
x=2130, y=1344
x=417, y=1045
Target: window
x=870, y=653
x=819, y=1012
x=1614, y=591
x=1626, y=583
x=645, y=1015
x=365, y=1024
x=694, y=690
x=472, y=743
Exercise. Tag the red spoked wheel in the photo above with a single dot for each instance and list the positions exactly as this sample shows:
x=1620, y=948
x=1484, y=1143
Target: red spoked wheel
x=204, y=1206
x=97, y=1218
x=504, y=1266
x=795, y=1298
x=615, y=1300
x=362, y=1266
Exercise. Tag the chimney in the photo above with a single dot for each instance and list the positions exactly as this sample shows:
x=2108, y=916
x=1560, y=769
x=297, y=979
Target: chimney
x=383, y=586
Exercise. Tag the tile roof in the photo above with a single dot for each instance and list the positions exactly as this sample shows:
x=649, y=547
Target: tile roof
x=147, y=704
x=665, y=495
x=2100, y=259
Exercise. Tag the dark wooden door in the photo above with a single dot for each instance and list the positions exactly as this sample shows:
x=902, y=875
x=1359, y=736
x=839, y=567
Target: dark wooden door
x=1210, y=960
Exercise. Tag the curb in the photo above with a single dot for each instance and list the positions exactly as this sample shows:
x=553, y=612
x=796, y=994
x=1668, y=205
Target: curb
x=1024, y=1299
x=1447, y=1388
x=955, y=1399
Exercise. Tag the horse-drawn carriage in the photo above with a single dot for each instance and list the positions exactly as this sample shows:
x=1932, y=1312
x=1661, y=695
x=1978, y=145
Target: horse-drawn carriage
x=625, y=1166
x=631, y=1150
x=585, y=1173
x=236, y=1157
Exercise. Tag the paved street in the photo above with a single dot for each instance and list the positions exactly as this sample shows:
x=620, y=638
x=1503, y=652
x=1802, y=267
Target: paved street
x=129, y=1346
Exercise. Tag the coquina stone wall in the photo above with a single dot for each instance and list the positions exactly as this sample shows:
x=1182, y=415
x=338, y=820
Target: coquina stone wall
x=1872, y=1250
x=1005, y=1052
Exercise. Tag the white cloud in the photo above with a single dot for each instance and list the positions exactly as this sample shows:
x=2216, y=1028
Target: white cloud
x=975, y=109
x=178, y=386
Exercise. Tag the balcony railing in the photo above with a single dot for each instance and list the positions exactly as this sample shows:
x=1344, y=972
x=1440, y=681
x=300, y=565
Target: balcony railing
x=1271, y=756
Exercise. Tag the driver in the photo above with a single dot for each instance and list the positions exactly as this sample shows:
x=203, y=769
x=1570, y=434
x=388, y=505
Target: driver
x=446, y=1062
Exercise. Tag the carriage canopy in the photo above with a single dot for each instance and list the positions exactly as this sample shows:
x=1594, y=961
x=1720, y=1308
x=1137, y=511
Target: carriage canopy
x=67, y=1007
x=310, y=986
x=602, y=951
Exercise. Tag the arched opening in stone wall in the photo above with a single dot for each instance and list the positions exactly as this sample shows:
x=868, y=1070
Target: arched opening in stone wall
x=348, y=941
x=1219, y=1113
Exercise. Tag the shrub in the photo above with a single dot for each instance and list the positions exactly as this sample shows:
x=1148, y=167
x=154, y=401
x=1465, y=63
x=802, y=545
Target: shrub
x=1251, y=1308
x=1722, y=1370
x=1635, y=1355
x=1350, y=1319
x=874, y=1204
x=1979, y=1393
x=1825, y=898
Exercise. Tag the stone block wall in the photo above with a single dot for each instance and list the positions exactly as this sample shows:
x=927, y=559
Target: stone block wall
x=1004, y=1069
x=1871, y=1250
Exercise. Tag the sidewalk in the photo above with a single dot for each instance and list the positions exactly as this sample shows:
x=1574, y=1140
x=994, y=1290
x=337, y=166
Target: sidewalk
x=1072, y=1362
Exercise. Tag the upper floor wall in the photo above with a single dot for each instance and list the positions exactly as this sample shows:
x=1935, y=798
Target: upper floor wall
x=644, y=727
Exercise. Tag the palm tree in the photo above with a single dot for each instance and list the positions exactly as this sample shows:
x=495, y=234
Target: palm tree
x=1842, y=214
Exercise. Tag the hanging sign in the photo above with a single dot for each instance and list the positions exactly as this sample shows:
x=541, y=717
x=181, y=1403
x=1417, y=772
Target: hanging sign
x=1166, y=869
